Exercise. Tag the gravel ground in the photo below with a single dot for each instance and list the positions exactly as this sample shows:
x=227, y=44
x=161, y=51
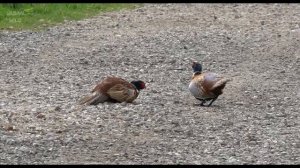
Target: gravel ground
x=255, y=121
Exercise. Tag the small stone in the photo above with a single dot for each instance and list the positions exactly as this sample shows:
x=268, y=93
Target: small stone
x=239, y=103
x=57, y=108
x=172, y=61
x=190, y=133
x=231, y=159
x=8, y=127
x=84, y=62
x=40, y=116
x=136, y=133
x=155, y=91
x=123, y=104
x=176, y=123
x=59, y=131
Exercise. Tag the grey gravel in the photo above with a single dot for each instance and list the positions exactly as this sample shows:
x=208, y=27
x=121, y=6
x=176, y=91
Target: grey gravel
x=255, y=121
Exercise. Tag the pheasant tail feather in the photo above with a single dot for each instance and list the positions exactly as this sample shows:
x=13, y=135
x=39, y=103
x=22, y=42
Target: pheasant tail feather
x=92, y=99
x=218, y=86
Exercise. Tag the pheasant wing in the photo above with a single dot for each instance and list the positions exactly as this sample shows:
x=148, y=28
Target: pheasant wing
x=121, y=93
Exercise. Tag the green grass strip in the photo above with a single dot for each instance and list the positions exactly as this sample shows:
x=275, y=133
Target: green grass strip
x=38, y=16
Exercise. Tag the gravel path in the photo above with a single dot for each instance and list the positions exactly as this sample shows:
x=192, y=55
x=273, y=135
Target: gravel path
x=255, y=121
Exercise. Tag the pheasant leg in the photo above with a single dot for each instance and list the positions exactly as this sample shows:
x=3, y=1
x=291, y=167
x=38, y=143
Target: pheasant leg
x=212, y=101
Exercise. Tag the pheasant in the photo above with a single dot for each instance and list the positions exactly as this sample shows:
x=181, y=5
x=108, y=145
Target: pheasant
x=206, y=86
x=113, y=89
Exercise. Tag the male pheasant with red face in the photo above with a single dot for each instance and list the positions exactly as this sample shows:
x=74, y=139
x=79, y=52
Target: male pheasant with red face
x=206, y=86
x=114, y=89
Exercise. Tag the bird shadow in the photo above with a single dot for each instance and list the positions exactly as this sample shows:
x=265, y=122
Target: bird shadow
x=212, y=106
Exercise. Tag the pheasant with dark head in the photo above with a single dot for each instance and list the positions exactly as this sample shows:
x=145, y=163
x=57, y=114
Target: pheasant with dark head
x=114, y=89
x=206, y=86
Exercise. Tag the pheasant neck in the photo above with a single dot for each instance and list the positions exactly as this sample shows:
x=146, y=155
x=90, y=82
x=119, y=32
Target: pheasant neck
x=137, y=88
x=197, y=72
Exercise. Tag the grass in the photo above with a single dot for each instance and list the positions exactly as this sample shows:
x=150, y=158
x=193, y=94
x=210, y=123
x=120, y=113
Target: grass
x=39, y=16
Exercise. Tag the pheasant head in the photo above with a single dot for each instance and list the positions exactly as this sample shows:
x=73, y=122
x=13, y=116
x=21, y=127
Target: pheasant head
x=197, y=67
x=139, y=84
